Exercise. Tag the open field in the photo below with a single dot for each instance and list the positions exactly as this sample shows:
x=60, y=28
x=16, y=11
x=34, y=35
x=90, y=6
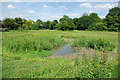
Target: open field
x=26, y=54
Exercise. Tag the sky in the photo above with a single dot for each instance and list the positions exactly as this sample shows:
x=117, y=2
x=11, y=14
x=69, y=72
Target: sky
x=54, y=9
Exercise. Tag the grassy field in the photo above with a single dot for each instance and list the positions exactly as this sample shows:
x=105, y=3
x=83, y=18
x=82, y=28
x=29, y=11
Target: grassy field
x=24, y=54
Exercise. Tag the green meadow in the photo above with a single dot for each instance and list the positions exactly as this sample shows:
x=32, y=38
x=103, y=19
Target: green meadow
x=25, y=54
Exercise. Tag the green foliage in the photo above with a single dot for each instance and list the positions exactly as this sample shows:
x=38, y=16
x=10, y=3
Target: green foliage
x=99, y=44
x=35, y=26
x=19, y=21
x=29, y=24
x=53, y=24
x=83, y=22
x=112, y=18
x=32, y=63
x=100, y=26
x=36, y=67
x=10, y=24
x=47, y=24
x=31, y=43
x=39, y=24
x=113, y=29
x=66, y=23
x=42, y=53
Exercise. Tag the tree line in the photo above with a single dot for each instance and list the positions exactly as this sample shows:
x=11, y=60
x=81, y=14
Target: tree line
x=111, y=22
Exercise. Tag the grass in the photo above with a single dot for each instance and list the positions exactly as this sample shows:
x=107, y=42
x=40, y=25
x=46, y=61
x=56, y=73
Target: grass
x=17, y=66
x=99, y=44
x=24, y=55
x=30, y=43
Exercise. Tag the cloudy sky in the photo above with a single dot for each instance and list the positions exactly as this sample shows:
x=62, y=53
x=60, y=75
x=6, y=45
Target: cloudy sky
x=54, y=9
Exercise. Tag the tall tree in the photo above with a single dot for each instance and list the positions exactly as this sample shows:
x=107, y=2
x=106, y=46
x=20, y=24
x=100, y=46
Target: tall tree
x=66, y=23
x=75, y=21
x=112, y=18
x=29, y=24
x=47, y=24
x=39, y=23
x=83, y=22
x=94, y=18
x=53, y=24
x=19, y=21
x=10, y=24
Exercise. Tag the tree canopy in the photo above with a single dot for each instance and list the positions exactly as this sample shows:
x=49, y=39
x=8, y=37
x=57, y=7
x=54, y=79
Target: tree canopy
x=86, y=22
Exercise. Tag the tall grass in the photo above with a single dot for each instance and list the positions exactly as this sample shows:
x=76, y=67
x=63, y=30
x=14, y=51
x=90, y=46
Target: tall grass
x=96, y=68
x=33, y=45
x=99, y=44
x=28, y=43
x=15, y=66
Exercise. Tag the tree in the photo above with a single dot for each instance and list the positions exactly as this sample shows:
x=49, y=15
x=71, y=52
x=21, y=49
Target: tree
x=100, y=26
x=19, y=21
x=95, y=22
x=24, y=20
x=112, y=18
x=47, y=24
x=35, y=26
x=94, y=18
x=39, y=23
x=10, y=24
x=66, y=23
x=53, y=24
x=83, y=22
x=75, y=21
x=29, y=24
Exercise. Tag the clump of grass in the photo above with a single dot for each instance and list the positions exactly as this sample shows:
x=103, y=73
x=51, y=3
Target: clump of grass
x=36, y=67
x=43, y=53
x=28, y=43
x=93, y=68
x=99, y=44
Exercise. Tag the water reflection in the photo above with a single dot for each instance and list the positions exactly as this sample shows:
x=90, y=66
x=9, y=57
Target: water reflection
x=67, y=49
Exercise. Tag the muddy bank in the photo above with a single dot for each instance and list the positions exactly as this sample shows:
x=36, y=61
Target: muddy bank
x=89, y=53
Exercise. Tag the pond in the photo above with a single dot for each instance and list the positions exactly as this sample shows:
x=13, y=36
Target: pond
x=66, y=49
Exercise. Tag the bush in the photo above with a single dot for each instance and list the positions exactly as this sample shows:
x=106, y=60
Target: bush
x=113, y=29
x=100, y=26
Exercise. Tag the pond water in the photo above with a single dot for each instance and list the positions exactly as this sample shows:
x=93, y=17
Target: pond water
x=66, y=49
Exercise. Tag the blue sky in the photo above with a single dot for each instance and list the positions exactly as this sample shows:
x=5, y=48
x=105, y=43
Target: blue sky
x=53, y=10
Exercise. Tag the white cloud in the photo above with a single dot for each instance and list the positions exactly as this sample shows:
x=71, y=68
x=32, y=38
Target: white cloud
x=11, y=1
x=31, y=12
x=60, y=0
x=62, y=7
x=10, y=6
x=102, y=17
x=56, y=16
x=105, y=6
x=57, y=1
x=90, y=11
x=73, y=14
x=80, y=0
x=45, y=6
x=45, y=18
x=13, y=12
x=88, y=5
x=99, y=6
x=2, y=18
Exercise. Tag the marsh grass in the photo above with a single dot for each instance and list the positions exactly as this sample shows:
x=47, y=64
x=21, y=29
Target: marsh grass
x=96, y=68
x=23, y=53
x=99, y=44
x=31, y=43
